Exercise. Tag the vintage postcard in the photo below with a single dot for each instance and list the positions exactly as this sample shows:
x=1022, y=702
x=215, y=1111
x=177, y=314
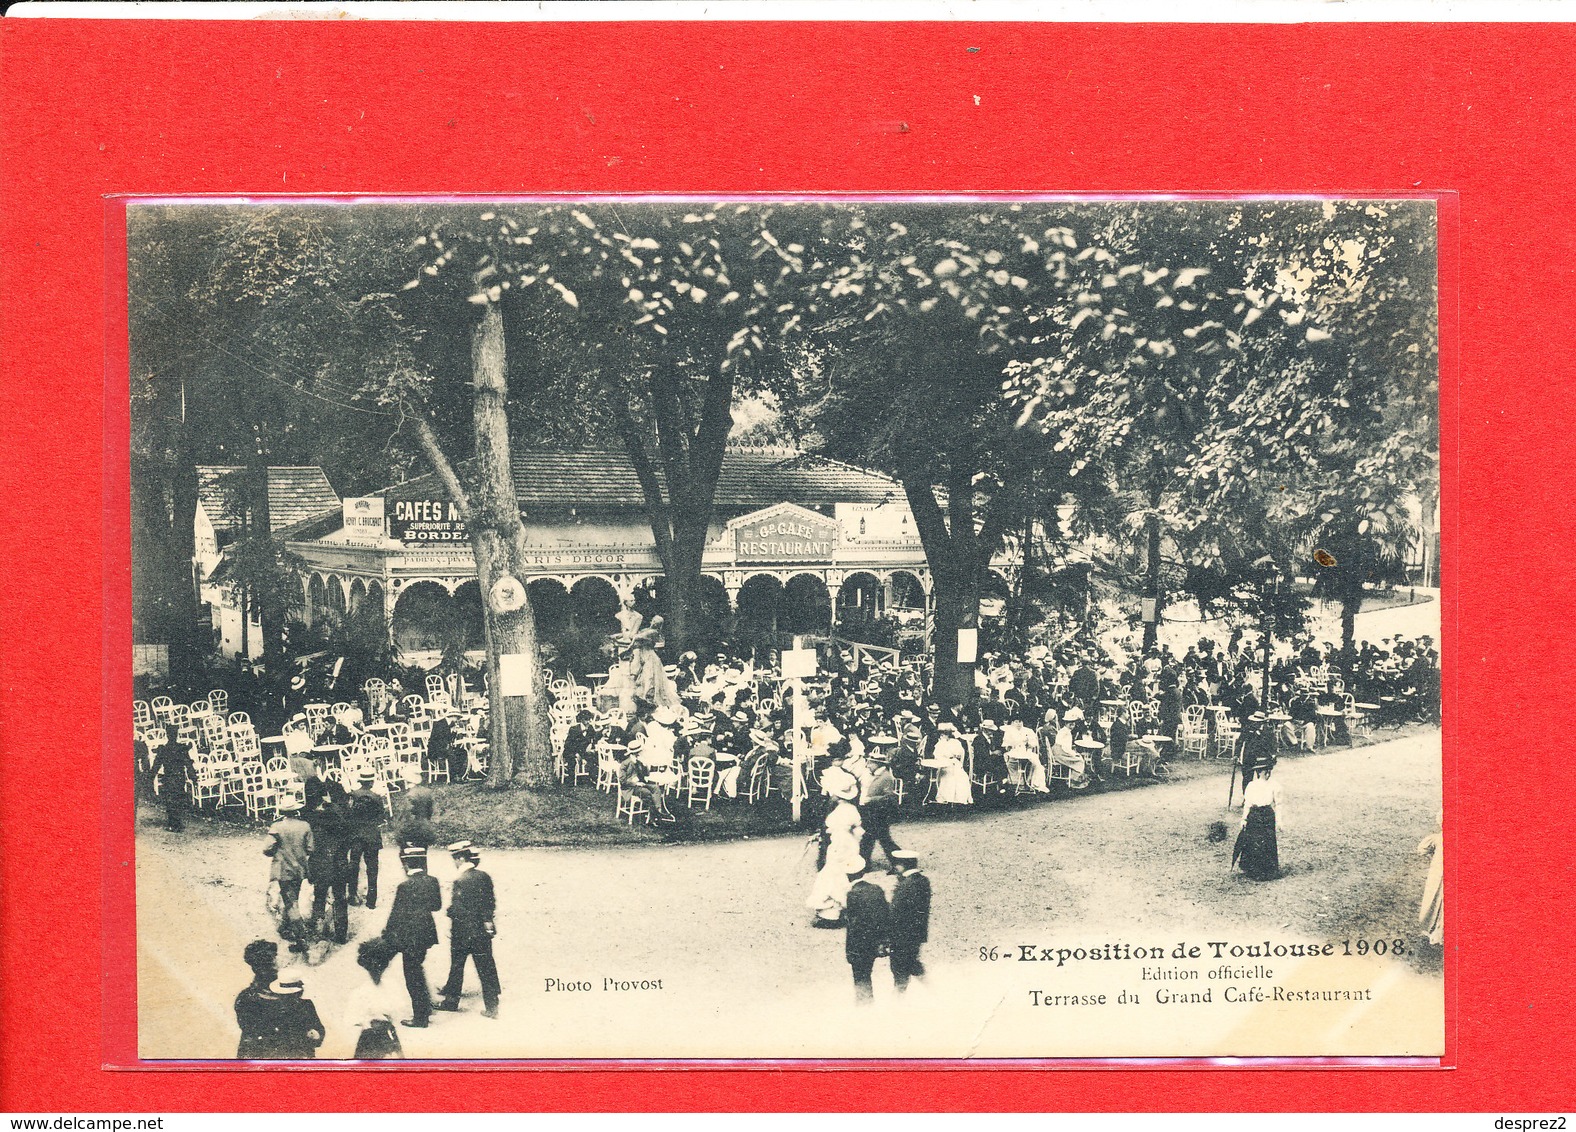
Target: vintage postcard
x=793, y=629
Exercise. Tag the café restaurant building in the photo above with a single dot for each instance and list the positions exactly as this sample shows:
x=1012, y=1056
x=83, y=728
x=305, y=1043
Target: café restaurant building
x=798, y=544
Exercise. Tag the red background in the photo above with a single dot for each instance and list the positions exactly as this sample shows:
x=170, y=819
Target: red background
x=99, y=107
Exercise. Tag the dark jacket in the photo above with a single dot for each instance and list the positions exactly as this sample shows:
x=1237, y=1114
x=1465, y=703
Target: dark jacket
x=291, y=1029
x=868, y=919
x=471, y=908
x=410, y=926
x=366, y=819
x=911, y=911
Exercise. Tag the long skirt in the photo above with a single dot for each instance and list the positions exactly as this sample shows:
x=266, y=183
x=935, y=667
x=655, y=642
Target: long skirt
x=378, y=1042
x=1256, y=850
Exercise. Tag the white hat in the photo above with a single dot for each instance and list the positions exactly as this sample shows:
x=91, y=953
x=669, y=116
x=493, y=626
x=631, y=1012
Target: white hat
x=665, y=715
x=1073, y=714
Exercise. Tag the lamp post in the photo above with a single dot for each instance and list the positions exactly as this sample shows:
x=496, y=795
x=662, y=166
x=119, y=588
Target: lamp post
x=1271, y=596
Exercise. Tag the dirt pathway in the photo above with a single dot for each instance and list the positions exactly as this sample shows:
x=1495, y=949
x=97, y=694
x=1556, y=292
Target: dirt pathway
x=722, y=928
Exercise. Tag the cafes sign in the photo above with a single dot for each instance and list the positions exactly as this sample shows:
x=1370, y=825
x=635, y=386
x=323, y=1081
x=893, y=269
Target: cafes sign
x=426, y=521
x=785, y=534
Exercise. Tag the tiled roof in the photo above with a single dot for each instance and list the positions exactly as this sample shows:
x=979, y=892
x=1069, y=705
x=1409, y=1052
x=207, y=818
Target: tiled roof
x=294, y=495
x=750, y=478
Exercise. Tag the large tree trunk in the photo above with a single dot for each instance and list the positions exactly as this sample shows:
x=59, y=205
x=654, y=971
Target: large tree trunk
x=1155, y=581
x=1351, y=605
x=691, y=456
x=957, y=602
x=952, y=551
x=519, y=739
x=189, y=641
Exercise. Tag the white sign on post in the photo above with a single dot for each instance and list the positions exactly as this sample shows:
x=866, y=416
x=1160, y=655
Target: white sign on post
x=798, y=664
x=968, y=645
x=514, y=674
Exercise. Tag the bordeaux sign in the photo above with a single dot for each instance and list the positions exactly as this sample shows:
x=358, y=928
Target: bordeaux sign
x=786, y=538
x=426, y=521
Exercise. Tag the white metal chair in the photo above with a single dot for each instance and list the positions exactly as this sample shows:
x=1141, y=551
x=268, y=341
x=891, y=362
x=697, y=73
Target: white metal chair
x=630, y=805
x=141, y=714
x=1131, y=760
x=606, y=770
x=160, y=707
x=1227, y=732
x=702, y=780
x=1194, y=735
x=219, y=700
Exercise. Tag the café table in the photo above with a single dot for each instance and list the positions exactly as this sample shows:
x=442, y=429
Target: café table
x=272, y=745
x=1327, y=716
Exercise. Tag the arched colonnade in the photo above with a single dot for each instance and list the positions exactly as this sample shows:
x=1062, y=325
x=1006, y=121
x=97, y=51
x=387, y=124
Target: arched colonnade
x=580, y=610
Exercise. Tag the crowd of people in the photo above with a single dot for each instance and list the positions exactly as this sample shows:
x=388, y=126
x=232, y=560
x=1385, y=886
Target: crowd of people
x=277, y=1022
x=872, y=740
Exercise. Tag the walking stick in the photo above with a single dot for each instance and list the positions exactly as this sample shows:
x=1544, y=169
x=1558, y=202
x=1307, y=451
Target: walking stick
x=1231, y=786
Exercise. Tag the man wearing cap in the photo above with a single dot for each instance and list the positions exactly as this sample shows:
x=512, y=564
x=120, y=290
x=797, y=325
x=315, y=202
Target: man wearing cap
x=262, y=956
x=910, y=926
x=290, y=847
x=291, y=1029
x=365, y=835
x=471, y=910
x=878, y=798
x=868, y=922
x=411, y=930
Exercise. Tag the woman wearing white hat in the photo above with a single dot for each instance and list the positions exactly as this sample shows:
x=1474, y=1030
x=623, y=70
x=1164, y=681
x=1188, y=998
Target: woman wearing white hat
x=1064, y=752
x=828, y=895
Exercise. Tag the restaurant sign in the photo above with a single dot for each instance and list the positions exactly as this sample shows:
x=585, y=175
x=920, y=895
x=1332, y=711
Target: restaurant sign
x=426, y=521
x=785, y=534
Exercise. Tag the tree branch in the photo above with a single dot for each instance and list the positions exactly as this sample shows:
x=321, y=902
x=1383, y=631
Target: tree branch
x=440, y=465
x=656, y=509
x=928, y=521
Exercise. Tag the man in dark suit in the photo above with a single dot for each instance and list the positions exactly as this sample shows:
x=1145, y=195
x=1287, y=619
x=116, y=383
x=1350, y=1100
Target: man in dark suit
x=1084, y=684
x=412, y=931
x=329, y=870
x=365, y=835
x=471, y=931
x=910, y=919
x=867, y=917
x=174, y=762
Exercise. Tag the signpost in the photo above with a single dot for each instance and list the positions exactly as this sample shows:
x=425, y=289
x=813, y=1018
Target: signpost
x=799, y=663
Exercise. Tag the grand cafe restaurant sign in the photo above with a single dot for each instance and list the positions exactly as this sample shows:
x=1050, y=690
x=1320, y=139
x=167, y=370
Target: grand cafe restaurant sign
x=784, y=534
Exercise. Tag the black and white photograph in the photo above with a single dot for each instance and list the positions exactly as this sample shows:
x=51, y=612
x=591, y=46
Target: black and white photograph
x=673, y=629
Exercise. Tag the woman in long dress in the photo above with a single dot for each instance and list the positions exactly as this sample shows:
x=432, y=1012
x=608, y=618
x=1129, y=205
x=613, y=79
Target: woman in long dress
x=374, y=1005
x=829, y=894
x=1064, y=753
x=1257, y=849
x=1431, y=912
x=1021, y=750
x=953, y=787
